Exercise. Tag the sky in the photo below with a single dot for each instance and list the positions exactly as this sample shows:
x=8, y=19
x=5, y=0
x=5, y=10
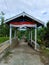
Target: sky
x=36, y=8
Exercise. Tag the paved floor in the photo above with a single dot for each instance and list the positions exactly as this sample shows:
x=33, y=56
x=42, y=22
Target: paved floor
x=22, y=55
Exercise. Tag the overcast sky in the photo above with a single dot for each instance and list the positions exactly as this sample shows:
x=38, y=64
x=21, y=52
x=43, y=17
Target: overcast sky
x=37, y=8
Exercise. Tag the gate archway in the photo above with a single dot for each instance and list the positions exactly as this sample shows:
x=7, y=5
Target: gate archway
x=24, y=20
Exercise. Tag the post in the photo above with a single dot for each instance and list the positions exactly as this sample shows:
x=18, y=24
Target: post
x=35, y=37
x=10, y=34
x=15, y=34
x=31, y=36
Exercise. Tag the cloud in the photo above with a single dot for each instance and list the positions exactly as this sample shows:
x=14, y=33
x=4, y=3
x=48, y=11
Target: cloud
x=36, y=8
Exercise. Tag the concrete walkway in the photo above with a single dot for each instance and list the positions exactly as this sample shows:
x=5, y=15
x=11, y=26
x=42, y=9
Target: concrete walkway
x=22, y=55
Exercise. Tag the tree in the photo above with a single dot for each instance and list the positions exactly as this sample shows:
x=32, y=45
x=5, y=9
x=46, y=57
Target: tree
x=4, y=28
x=2, y=23
x=46, y=36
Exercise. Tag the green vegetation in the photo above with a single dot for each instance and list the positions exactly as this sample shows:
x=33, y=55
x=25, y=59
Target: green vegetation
x=43, y=40
x=43, y=35
x=44, y=54
x=3, y=39
x=46, y=51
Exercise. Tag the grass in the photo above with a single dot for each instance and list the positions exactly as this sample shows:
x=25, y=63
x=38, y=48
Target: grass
x=6, y=56
x=3, y=39
x=46, y=51
x=45, y=55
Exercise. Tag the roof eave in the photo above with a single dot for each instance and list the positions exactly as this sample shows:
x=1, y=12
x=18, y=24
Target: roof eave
x=25, y=14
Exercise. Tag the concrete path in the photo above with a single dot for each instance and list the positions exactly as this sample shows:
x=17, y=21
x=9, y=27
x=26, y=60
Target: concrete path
x=22, y=55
